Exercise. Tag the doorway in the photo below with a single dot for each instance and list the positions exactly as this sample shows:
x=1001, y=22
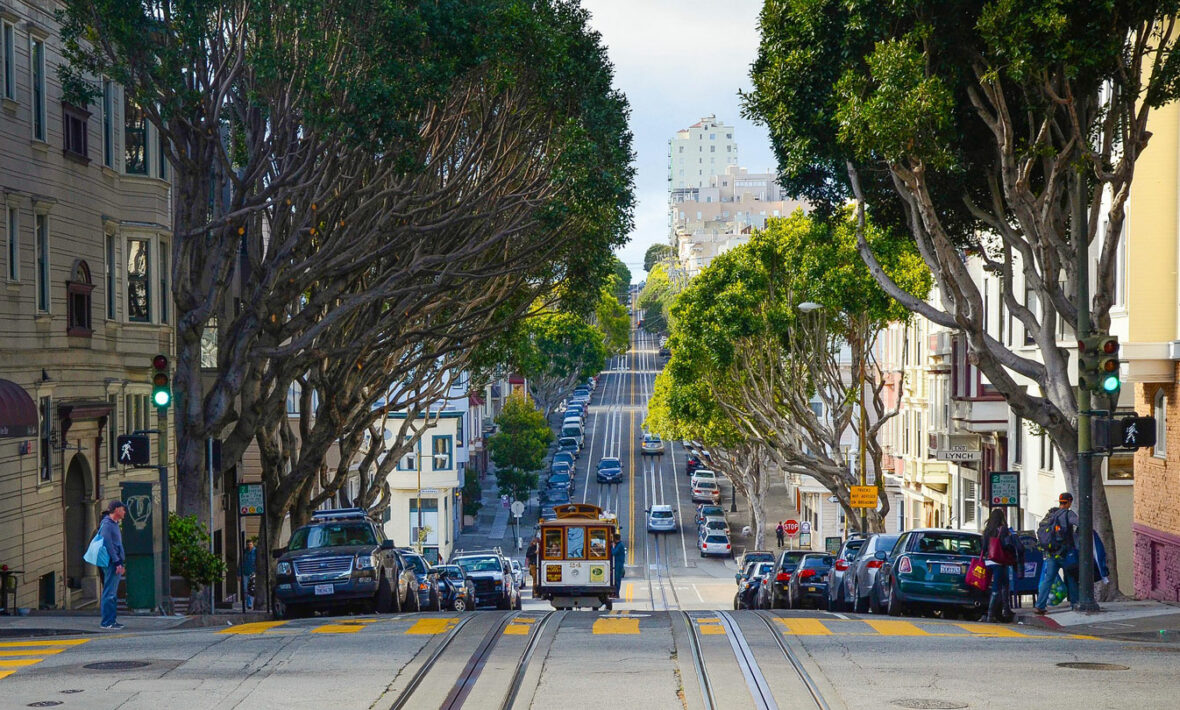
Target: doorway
x=76, y=514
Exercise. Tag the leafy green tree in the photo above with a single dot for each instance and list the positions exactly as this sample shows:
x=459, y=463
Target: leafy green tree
x=615, y=323
x=655, y=300
x=556, y=350
x=190, y=558
x=655, y=254
x=984, y=127
x=518, y=448
x=621, y=281
x=472, y=493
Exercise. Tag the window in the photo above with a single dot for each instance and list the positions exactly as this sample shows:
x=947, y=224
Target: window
x=209, y=343
x=599, y=544
x=37, y=77
x=139, y=307
x=13, y=234
x=78, y=290
x=112, y=277
x=1044, y=458
x=8, y=77
x=1120, y=467
x=114, y=430
x=551, y=549
x=409, y=461
x=135, y=158
x=41, y=237
x=165, y=272
x=1018, y=442
x=46, y=438
x=969, y=501
x=74, y=121
x=162, y=157
x=575, y=543
x=442, y=453
x=108, y=123
x=459, y=430
x=1030, y=302
x=1161, y=424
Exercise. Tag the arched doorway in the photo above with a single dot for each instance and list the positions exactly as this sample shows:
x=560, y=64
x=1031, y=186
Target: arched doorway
x=76, y=513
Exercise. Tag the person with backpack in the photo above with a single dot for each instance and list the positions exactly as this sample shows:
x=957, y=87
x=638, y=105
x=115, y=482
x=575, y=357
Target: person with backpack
x=1001, y=553
x=779, y=532
x=1057, y=538
x=112, y=540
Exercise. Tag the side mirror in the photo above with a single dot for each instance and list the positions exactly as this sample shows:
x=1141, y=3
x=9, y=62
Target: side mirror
x=881, y=556
x=278, y=552
x=387, y=544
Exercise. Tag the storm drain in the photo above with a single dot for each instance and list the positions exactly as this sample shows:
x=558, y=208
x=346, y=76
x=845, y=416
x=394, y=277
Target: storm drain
x=68, y=691
x=1083, y=666
x=116, y=665
x=927, y=704
x=44, y=704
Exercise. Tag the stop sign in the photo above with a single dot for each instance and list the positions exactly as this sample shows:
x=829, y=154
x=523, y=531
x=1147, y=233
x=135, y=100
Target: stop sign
x=791, y=527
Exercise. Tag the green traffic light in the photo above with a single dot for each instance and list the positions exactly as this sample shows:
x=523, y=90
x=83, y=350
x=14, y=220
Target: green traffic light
x=1110, y=383
x=162, y=398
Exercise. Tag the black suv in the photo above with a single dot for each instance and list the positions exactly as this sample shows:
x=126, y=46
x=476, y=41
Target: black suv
x=341, y=559
x=491, y=573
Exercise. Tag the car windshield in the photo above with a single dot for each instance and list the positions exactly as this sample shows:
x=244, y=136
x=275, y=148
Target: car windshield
x=815, y=563
x=609, y=463
x=852, y=549
x=564, y=457
x=479, y=564
x=560, y=477
x=716, y=525
x=712, y=510
x=949, y=543
x=885, y=543
x=332, y=535
x=416, y=563
x=765, y=568
x=791, y=560
x=661, y=514
x=717, y=539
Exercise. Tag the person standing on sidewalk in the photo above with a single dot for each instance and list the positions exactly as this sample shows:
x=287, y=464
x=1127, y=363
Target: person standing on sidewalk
x=249, y=560
x=530, y=558
x=112, y=539
x=619, y=555
x=1057, y=535
x=1001, y=555
x=779, y=533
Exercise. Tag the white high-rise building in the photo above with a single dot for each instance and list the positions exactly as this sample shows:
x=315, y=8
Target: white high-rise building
x=697, y=153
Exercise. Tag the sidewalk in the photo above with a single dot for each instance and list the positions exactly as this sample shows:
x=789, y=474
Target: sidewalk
x=74, y=623
x=1147, y=621
x=493, y=525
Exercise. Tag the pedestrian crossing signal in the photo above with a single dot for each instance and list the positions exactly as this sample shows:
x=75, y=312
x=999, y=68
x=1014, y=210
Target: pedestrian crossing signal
x=133, y=450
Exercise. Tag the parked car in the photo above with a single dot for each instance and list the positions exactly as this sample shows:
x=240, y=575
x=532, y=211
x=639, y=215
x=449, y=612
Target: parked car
x=837, y=599
x=341, y=559
x=561, y=468
x=565, y=457
x=652, y=445
x=749, y=589
x=748, y=557
x=660, y=518
x=426, y=582
x=517, y=573
x=556, y=495
x=665, y=352
x=928, y=570
x=809, y=582
x=858, y=580
x=715, y=544
x=458, y=592
x=568, y=444
x=702, y=474
x=691, y=464
x=787, y=562
x=713, y=525
x=492, y=575
x=708, y=510
x=706, y=491
x=610, y=470
x=561, y=479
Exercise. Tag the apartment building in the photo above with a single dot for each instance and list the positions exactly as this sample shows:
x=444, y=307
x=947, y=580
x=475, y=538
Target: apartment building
x=697, y=153
x=84, y=307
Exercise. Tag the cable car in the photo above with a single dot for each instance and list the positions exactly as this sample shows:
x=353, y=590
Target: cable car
x=574, y=566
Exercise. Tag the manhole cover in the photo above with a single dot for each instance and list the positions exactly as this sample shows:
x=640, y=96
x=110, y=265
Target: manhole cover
x=116, y=665
x=928, y=704
x=1083, y=666
x=44, y=704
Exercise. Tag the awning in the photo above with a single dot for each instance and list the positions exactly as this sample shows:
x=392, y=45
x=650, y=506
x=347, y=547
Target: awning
x=474, y=400
x=18, y=412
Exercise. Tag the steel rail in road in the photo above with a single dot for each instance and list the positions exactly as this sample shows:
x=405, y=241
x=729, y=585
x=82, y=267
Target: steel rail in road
x=751, y=671
x=527, y=657
x=698, y=662
x=424, y=670
x=812, y=688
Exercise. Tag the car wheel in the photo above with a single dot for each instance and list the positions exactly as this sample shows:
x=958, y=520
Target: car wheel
x=436, y=604
x=610, y=604
x=460, y=604
x=737, y=601
x=519, y=604
x=384, y=601
x=874, y=602
x=415, y=601
x=859, y=604
x=894, y=605
x=789, y=603
x=289, y=611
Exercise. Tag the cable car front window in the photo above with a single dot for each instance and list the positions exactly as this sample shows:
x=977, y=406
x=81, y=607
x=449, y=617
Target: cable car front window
x=575, y=543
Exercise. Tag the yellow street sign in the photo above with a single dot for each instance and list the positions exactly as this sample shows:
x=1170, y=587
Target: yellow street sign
x=863, y=496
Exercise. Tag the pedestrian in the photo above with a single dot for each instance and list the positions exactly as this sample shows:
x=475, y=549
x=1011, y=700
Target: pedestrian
x=249, y=558
x=112, y=540
x=619, y=555
x=779, y=533
x=530, y=557
x=1057, y=537
x=1001, y=552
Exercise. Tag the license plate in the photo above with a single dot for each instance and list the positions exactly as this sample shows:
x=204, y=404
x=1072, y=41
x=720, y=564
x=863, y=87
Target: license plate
x=321, y=589
x=950, y=569
x=811, y=589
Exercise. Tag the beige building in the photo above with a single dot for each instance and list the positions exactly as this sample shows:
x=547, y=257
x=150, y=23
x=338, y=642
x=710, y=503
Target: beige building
x=84, y=305
x=699, y=152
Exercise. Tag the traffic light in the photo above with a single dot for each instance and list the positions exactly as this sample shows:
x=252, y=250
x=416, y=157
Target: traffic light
x=1088, y=362
x=1108, y=365
x=161, y=389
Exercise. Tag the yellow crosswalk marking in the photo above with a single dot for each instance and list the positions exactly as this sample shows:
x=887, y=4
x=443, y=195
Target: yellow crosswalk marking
x=62, y=642
x=347, y=626
x=997, y=630
x=19, y=662
x=629, y=592
x=711, y=629
x=805, y=627
x=430, y=627
x=33, y=652
x=616, y=625
x=254, y=627
x=5, y=674
x=517, y=630
x=895, y=628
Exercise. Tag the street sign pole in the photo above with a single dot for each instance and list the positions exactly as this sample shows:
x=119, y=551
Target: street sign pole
x=162, y=464
x=1085, y=455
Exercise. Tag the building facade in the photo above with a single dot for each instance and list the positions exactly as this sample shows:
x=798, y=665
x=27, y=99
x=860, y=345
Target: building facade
x=697, y=153
x=85, y=305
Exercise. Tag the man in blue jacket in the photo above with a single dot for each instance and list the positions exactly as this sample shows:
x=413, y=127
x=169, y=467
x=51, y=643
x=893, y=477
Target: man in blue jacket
x=112, y=539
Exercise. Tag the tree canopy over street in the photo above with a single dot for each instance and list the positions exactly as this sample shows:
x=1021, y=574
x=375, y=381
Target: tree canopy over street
x=518, y=448
x=975, y=127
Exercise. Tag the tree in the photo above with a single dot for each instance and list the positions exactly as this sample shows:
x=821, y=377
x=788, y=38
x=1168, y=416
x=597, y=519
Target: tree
x=747, y=365
x=621, y=282
x=555, y=351
x=656, y=254
x=656, y=298
x=190, y=558
x=611, y=317
x=1006, y=130
x=518, y=448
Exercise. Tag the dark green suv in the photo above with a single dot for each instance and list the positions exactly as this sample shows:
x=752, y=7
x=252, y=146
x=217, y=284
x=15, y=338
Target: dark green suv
x=341, y=559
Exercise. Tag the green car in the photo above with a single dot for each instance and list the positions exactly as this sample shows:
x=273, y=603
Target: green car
x=928, y=570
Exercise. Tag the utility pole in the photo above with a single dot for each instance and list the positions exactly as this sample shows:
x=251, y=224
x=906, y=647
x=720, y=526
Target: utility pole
x=1085, y=453
x=860, y=437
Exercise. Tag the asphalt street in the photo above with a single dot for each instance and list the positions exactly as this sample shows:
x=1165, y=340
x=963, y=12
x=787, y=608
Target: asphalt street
x=672, y=642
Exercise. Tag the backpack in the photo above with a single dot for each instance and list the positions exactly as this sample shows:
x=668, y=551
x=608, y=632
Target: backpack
x=1054, y=534
x=96, y=553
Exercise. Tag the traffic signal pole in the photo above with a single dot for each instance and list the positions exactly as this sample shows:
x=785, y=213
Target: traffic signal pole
x=1085, y=451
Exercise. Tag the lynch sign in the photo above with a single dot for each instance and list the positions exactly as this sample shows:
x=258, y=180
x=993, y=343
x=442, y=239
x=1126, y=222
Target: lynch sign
x=958, y=447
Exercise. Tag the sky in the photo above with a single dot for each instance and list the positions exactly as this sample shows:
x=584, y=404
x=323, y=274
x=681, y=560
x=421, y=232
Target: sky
x=676, y=62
